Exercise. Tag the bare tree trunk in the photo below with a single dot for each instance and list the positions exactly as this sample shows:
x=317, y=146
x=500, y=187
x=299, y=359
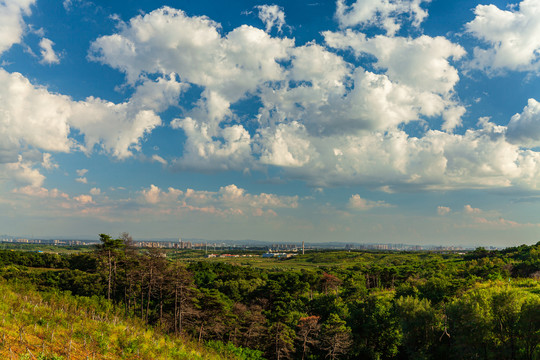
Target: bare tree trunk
x=149, y=293
x=110, y=276
x=142, y=296
x=176, y=309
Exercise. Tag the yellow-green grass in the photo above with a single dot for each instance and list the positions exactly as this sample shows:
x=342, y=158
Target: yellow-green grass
x=36, y=325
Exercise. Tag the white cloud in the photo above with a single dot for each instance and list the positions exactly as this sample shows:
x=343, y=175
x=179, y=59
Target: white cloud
x=155, y=195
x=502, y=223
x=84, y=199
x=468, y=209
x=40, y=192
x=48, y=56
x=21, y=172
x=323, y=69
x=230, y=66
x=228, y=148
x=422, y=62
x=47, y=162
x=358, y=203
x=443, y=210
x=477, y=159
x=512, y=37
x=117, y=128
x=420, y=67
x=159, y=159
x=321, y=119
x=286, y=146
x=95, y=191
x=82, y=179
x=12, y=24
x=227, y=67
x=387, y=14
x=524, y=128
x=32, y=116
x=235, y=196
x=229, y=200
x=271, y=15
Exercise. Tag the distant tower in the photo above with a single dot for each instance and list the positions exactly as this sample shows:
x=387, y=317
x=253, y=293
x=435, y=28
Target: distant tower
x=180, y=241
x=302, y=247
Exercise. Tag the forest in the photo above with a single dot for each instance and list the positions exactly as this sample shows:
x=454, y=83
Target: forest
x=321, y=305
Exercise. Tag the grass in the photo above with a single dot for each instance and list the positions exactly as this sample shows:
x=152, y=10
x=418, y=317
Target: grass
x=55, y=325
x=330, y=259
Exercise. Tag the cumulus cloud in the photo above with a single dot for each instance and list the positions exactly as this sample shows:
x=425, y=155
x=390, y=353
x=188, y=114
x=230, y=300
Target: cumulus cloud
x=227, y=67
x=321, y=119
x=40, y=192
x=21, y=172
x=12, y=24
x=271, y=15
x=502, y=223
x=154, y=194
x=420, y=67
x=358, y=203
x=387, y=14
x=524, y=128
x=286, y=146
x=32, y=116
x=228, y=149
x=479, y=158
x=230, y=66
x=48, y=162
x=511, y=37
x=48, y=56
x=468, y=209
x=480, y=218
x=229, y=200
x=443, y=210
x=117, y=128
x=82, y=179
x=84, y=199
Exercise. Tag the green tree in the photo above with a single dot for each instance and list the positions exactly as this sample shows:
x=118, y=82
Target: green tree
x=529, y=327
x=420, y=325
x=281, y=340
x=110, y=251
x=336, y=337
x=377, y=333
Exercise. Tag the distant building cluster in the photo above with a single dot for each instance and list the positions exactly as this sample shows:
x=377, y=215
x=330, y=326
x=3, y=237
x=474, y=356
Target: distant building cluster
x=278, y=255
x=229, y=255
x=48, y=241
x=273, y=250
x=401, y=247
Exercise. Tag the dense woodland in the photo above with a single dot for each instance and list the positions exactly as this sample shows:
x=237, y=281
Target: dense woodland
x=338, y=305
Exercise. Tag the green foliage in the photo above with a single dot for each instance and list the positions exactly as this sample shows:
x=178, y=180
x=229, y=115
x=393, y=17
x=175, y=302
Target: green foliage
x=328, y=304
x=238, y=351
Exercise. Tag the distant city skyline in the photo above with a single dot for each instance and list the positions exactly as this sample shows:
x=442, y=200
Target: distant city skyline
x=380, y=121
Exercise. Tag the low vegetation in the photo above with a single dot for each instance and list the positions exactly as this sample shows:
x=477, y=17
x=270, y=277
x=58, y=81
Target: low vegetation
x=322, y=305
x=55, y=325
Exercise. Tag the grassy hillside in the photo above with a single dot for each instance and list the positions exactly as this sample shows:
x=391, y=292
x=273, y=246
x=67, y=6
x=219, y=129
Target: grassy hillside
x=53, y=326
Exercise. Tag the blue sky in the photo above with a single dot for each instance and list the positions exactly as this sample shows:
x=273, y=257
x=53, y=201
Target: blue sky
x=402, y=121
